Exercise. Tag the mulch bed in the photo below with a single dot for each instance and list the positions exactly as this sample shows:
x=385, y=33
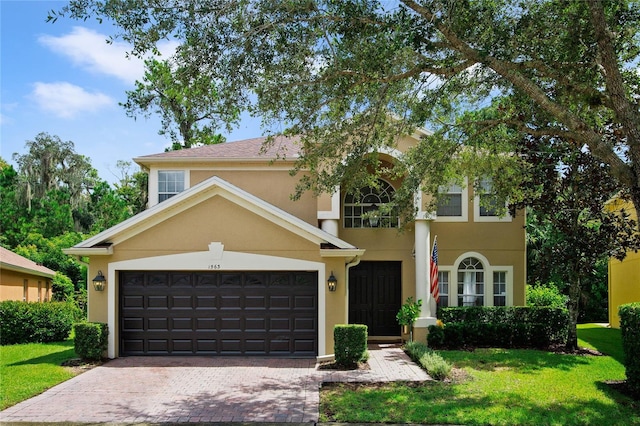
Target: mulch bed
x=78, y=365
x=332, y=365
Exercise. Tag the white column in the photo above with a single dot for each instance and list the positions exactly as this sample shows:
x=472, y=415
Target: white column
x=422, y=238
x=330, y=226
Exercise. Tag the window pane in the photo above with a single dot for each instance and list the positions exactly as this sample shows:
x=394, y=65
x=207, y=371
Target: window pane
x=443, y=286
x=363, y=209
x=170, y=183
x=450, y=205
x=470, y=283
x=499, y=288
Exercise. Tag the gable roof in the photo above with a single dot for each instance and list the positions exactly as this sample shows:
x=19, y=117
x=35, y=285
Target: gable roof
x=102, y=243
x=14, y=262
x=249, y=150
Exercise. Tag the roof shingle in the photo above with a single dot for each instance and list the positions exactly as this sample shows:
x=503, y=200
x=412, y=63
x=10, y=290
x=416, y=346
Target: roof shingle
x=281, y=146
x=11, y=260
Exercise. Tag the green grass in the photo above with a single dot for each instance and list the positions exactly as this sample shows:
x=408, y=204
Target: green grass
x=29, y=369
x=503, y=387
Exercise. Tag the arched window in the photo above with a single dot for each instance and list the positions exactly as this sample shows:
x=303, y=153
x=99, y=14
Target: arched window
x=371, y=207
x=470, y=282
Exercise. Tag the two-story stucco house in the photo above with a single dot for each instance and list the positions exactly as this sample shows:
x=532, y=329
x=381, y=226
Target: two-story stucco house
x=223, y=262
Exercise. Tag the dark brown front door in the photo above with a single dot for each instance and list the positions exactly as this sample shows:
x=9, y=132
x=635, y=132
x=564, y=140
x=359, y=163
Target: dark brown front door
x=218, y=313
x=375, y=291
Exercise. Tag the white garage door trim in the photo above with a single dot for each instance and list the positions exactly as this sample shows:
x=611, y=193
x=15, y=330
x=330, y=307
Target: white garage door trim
x=219, y=260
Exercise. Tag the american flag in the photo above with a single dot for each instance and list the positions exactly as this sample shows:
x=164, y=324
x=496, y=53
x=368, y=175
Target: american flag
x=435, y=291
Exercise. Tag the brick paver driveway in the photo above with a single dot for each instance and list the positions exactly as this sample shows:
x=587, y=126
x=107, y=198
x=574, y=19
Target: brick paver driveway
x=202, y=389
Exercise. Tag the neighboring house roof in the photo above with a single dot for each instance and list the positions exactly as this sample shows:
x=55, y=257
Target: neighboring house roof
x=103, y=242
x=248, y=150
x=14, y=262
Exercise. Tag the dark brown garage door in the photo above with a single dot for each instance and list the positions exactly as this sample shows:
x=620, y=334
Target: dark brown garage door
x=218, y=313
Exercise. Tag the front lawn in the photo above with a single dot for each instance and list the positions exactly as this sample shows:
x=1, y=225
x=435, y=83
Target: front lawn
x=29, y=369
x=502, y=387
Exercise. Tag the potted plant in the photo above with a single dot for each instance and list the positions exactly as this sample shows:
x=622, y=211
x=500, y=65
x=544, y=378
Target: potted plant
x=408, y=314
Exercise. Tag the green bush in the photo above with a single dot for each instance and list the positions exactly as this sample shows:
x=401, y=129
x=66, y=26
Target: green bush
x=35, y=322
x=436, y=366
x=62, y=287
x=630, y=330
x=435, y=336
x=502, y=326
x=545, y=295
x=90, y=339
x=350, y=345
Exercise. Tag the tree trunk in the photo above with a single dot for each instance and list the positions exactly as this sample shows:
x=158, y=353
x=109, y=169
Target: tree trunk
x=573, y=306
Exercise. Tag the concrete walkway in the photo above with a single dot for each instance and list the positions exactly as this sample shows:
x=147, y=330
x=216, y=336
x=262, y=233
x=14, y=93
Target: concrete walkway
x=203, y=389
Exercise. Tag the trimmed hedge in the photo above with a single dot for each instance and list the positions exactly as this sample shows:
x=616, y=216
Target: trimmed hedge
x=35, y=322
x=500, y=326
x=90, y=339
x=630, y=330
x=350, y=345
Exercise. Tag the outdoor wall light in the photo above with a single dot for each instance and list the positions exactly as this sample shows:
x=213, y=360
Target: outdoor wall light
x=332, y=282
x=99, y=282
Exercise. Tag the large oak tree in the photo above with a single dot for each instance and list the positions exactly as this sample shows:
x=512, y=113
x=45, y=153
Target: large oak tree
x=361, y=71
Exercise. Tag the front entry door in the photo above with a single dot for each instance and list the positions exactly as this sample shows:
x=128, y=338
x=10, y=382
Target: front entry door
x=375, y=291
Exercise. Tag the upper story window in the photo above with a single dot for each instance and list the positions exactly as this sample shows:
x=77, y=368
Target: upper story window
x=371, y=208
x=170, y=183
x=488, y=200
x=452, y=203
x=487, y=204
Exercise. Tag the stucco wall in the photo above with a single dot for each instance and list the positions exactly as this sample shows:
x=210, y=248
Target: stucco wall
x=273, y=185
x=624, y=284
x=12, y=286
x=239, y=230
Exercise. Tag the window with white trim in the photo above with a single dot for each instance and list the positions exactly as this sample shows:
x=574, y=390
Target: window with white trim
x=499, y=288
x=363, y=209
x=487, y=204
x=450, y=202
x=453, y=203
x=443, y=287
x=170, y=183
x=488, y=199
x=470, y=282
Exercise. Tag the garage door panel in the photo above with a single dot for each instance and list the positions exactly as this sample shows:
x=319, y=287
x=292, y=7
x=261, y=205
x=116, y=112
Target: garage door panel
x=156, y=280
x=158, y=324
x=133, y=301
x=206, y=302
x=207, y=324
x=181, y=302
x=304, y=302
x=133, y=324
x=158, y=302
x=182, y=324
x=218, y=313
x=280, y=302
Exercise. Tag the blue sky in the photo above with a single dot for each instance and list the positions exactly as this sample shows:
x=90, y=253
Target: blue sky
x=64, y=79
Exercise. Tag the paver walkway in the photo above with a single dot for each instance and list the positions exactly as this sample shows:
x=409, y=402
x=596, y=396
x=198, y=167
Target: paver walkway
x=203, y=389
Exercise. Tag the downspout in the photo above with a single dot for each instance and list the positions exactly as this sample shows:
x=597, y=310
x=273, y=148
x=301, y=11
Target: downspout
x=354, y=262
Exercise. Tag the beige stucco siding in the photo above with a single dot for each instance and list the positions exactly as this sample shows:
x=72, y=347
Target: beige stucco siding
x=238, y=229
x=272, y=185
x=624, y=284
x=12, y=286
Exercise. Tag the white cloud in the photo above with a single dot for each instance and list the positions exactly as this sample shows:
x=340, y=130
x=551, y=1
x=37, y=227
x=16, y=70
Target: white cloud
x=66, y=100
x=89, y=50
